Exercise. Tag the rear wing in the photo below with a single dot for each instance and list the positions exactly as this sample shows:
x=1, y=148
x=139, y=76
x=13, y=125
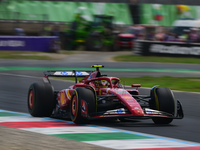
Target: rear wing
x=64, y=74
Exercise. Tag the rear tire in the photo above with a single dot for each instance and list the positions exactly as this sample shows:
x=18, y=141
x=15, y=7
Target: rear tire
x=162, y=99
x=41, y=100
x=79, y=113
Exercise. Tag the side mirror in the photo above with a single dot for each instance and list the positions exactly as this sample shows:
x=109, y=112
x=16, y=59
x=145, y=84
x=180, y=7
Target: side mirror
x=136, y=85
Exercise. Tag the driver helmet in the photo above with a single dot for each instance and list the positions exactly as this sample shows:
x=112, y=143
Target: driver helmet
x=101, y=84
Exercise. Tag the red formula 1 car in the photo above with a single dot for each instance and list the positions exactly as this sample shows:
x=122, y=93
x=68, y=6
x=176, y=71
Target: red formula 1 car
x=98, y=96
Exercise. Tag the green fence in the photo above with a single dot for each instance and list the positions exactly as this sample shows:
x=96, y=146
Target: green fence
x=62, y=11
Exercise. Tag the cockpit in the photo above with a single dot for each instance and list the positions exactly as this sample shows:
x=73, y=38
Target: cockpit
x=106, y=82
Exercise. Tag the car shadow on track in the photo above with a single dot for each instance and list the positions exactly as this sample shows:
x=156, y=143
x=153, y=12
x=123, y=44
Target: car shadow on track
x=127, y=123
x=123, y=123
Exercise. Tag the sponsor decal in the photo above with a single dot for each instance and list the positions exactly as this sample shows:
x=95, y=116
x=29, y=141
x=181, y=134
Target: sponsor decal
x=103, y=93
x=121, y=91
x=135, y=108
x=127, y=97
x=107, y=90
x=64, y=73
x=83, y=107
x=131, y=102
x=79, y=73
x=174, y=49
x=12, y=43
x=119, y=111
x=62, y=98
x=68, y=94
x=70, y=73
x=137, y=48
x=152, y=112
x=115, y=111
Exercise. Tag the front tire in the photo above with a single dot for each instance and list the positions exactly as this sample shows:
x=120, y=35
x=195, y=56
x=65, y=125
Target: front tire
x=82, y=105
x=162, y=99
x=41, y=100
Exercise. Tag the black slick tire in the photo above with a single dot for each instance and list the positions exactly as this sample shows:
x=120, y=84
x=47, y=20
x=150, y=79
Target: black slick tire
x=41, y=100
x=162, y=99
x=87, y=95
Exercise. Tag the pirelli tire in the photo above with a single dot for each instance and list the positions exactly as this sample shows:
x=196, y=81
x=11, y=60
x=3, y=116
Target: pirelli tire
x=162, y=99
x=41, y=102
x=76, y=109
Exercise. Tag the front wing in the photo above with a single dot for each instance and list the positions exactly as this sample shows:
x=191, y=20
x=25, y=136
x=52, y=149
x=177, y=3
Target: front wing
x=148, y=113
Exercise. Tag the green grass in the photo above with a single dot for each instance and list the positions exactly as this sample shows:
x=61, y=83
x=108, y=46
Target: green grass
x=32, y=55
x=125, y=58
x=162, y=59
x=188, y=84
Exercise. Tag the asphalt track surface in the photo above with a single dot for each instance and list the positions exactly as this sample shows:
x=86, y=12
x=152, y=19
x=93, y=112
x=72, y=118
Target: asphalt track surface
x=15, y=82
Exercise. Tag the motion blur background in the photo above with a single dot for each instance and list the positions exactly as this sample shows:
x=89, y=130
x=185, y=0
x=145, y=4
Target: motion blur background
x=56, y=18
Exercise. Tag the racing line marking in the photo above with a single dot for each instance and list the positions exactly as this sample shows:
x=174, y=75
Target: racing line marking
x=100, y=136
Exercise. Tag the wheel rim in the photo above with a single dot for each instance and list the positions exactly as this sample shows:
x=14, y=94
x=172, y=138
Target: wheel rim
x=31, y=100
x=74, y=106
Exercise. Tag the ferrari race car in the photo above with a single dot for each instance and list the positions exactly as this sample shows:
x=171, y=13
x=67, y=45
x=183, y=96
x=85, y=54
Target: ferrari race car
x=97, y=96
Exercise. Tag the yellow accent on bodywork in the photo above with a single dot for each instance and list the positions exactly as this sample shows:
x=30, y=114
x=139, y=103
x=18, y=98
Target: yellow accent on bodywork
x=156, y=98
x=127, y=97
x=107, y=91
x=99, y=92
x=95, y=66
x=68, y=94
x=62, y=98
